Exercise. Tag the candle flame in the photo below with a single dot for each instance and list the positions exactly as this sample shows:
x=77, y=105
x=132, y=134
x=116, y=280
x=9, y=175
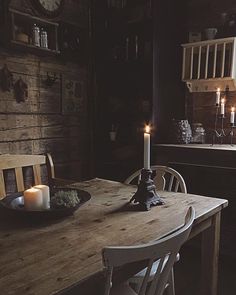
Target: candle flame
x=232, y=109
x=218, y=89
x=147, y=129
x=223, y=100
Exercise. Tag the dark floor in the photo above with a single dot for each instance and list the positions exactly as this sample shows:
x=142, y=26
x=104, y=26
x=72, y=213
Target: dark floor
x=187, y=273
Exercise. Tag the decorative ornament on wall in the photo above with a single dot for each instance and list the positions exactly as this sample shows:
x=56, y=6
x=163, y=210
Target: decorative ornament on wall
x=6, y=79
x=48, y=8
x=72, y=96
x=51, y=79
x=20, y=90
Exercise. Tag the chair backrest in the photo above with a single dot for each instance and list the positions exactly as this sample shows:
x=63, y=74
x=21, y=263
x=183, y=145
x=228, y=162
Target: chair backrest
x=165, y=178
x=19, y=162
x=164, y=250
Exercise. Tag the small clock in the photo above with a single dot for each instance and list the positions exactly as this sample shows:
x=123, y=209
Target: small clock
x=49, y=8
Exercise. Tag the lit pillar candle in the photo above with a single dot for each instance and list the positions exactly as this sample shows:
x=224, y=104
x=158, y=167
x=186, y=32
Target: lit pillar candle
x=218, y=96
x=232, y=115
x=46, y=195
x=147, y=147
x=222, y=106
x=33, y=199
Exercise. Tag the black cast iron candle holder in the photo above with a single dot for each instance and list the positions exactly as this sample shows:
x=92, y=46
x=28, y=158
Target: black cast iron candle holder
x=221, y=134
x=231, y=133
x=146, y=194
x=218, y=133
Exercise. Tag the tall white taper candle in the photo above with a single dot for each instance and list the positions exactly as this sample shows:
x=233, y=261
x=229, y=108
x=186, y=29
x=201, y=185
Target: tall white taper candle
x=146, y=152
x=218, y=96
x=222, y=106
x=232, y=115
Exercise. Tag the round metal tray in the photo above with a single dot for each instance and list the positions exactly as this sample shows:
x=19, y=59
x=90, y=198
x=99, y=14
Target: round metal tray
x=15, y=203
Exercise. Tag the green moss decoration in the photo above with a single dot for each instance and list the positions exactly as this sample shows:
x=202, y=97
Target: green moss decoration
x=65, y=199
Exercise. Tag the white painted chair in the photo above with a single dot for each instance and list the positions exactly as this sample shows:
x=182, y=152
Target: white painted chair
x=163, y=250
x=165, y=178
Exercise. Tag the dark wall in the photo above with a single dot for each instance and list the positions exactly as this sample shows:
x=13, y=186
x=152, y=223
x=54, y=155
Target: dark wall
x=169, y=33
x=201, y=106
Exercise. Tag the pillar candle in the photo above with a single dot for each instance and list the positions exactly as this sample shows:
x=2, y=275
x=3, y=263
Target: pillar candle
x=232, y=115
x=222, y=106
x=33, y=199
x=218, y=96
x=46, y=195
x=147, y=148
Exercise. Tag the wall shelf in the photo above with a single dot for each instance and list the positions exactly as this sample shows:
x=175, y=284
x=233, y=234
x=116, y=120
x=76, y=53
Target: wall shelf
x=208, y=65
x=19, y=33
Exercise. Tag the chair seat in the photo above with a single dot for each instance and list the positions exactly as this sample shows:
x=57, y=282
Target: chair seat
x=136, y=278
x=158, y=250
x=122, y=289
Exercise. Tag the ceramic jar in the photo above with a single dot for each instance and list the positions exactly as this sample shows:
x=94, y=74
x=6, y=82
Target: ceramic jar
x=181, y=131
x=198, y=132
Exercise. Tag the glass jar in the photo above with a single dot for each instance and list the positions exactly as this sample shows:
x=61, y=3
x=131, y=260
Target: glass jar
x=199, y=134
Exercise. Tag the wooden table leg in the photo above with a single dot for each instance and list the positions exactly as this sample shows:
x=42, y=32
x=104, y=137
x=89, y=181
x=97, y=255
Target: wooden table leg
x=210, y=256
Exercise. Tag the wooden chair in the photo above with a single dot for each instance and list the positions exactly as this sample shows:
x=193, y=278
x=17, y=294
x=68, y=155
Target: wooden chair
x=165, y=178
x=163, y=250
x=17, y=163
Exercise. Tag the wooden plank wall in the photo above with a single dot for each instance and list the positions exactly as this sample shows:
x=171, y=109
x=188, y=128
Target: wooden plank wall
x=38, y=125
x=200, y=107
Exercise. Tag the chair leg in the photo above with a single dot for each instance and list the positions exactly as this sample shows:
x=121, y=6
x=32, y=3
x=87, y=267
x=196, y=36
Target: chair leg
x=170, y=290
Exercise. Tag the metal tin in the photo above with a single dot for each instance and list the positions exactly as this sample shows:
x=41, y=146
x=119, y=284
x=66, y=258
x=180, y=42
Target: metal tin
x=36, y=35
x=43, y=39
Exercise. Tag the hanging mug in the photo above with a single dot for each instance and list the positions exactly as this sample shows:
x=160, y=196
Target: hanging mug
x=210, y=33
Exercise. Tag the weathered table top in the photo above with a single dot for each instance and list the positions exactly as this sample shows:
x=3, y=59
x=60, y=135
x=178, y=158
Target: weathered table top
x=43, y=260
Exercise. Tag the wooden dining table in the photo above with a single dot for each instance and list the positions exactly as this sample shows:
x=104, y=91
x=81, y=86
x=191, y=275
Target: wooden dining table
x=64, y=256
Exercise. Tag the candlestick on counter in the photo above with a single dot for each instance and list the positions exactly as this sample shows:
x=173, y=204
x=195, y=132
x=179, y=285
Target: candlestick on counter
x=218, y=96
x=222, y=107
x=147, y=147
x=232, y=115
x=33, y=199
x=46, y=195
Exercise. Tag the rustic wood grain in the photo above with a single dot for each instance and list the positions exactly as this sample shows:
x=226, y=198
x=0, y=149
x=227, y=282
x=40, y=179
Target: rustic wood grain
x=19, y=179
x=39, y=118
x=16, y=179
x=13, y=161
x=210, y=256
x=43, y=260
x=37, y=174
x=2, y=185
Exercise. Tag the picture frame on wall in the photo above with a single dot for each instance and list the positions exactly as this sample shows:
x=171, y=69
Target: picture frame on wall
x=72, y=95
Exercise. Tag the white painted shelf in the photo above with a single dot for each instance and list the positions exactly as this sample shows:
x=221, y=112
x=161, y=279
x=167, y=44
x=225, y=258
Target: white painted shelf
x=210, y=64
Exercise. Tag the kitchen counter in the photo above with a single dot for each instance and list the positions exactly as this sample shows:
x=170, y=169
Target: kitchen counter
x=222, y=147
x=196, y=154
x=207, y=170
